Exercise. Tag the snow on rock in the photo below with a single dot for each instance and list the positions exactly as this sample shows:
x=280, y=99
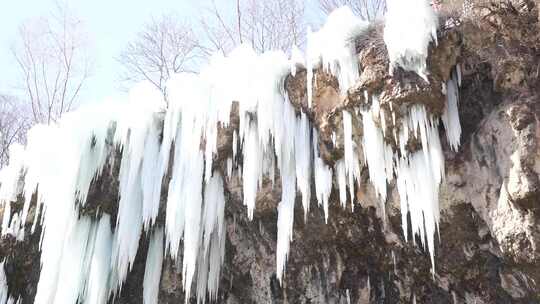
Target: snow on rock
x=181, y=139
x=409, y=28
x=333, y=48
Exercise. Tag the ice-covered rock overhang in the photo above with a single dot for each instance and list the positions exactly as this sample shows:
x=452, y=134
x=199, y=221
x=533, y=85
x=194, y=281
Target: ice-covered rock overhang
x=359, y=102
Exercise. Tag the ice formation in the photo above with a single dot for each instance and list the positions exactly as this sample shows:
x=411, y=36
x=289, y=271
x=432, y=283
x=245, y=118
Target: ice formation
x=97, y=285
x=450, y=117
x=418, y=177
x=3, y=285
x=351, y=162
x=322, y=174
x=409, y=28
x=152, y=140
x=152, y=270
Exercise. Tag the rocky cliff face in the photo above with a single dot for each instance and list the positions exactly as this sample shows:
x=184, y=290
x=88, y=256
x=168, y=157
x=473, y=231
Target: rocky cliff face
x=488, y=246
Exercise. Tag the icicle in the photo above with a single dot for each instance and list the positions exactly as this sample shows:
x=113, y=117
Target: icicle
x=3, y=284
x=151, y=176
x=383, y=121
x=252, y=169
x=285, y=220
x=140, y=173
x=450, y=117
x=192, y=220
x=302, y=152
x=63, y=282
x=212, y=251
x=458, y=74
x=6, y=218
x=394, y=262
x=229, y=168
x=351, y=162
x=378, y=155
x=342, y=181
x=152, y=270
x=214, y=208
x=418, y=174
x=129, y=221
x=184, y=201
x=418, y=179
x=322, y=175
x=234, y=144
x=97, y=285
x=57, y=230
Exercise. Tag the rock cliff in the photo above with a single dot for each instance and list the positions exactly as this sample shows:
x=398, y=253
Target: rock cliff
x=488, y=246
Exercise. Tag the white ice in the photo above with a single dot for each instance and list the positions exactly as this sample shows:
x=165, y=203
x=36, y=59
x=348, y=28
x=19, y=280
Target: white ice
x=274, y=143
x=409, y=28
x=450, y=117
x=333, y=48
x=152, y=270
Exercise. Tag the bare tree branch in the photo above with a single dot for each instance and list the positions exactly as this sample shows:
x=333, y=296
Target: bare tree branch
x=165, y=46
x=366, y=9
x=53, y=61
x=13, y=125
x=265, y=25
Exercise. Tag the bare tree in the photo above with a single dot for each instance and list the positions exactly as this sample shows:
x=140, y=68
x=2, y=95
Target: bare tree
x=52, y=58
x=13, y=125
x=366, y=9
x=165, y=46
x=265, y=25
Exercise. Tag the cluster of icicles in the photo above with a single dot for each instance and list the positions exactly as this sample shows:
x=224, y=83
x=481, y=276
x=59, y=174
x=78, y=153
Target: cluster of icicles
x=85, y=261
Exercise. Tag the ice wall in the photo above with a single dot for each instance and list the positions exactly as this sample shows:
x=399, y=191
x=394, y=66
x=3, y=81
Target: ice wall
x=273, y=141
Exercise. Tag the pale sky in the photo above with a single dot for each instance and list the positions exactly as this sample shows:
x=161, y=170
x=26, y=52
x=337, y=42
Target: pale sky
x=109, y=23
